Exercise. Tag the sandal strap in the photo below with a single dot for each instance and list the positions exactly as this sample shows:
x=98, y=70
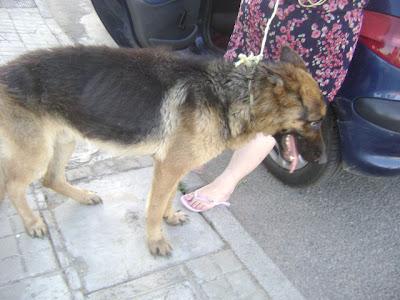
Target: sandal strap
x=200, y=198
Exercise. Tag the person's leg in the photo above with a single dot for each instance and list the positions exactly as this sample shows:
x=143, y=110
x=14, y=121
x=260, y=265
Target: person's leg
x=243, y=161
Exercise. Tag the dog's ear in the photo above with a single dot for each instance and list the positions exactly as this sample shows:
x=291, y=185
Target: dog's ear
x=290, y=56
x=268, y=75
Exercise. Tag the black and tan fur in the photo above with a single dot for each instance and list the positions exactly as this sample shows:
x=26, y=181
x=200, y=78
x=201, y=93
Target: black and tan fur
x=181, y=111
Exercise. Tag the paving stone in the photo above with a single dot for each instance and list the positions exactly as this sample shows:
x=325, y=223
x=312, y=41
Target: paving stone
x=242, y=284
x=182, y=291
x=223, y=271
x=145, y=161
x=62, y=38
x=12, y=54
x=124, y=164
x=26, y=14
x=40, y=199
x=218, y=289
x=3, y=13
x=35, y=28
x=42, y=37
x=5, y=20
x=43, y=9
x=6, y=24
x=9, y=37
x=115, y=232
x=178, y=291
x=79, y=173
x=114, y=165
x=73, y=279
x=44, y=288
x=102, y=168
x=227, y=261
x=7, y=45
x=210, y=267
x=10, y=260
x=6, y=208
x=204, y=269
x=17, y=224
x=5, y=226
x=78, y=295
x=14, y=268
x=17, y=3
x=258, y=295
x=8, y=246
x=35, y=47
x=37, y=254
x=57, y=242
x=192, y=181
x=143, y=285
x=87, y=154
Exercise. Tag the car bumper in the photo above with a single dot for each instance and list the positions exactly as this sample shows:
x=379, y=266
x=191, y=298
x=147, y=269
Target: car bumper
x=369, y=125
x=367, y=148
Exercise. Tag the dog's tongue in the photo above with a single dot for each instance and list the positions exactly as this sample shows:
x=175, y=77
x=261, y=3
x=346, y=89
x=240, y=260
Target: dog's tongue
x=290, y=151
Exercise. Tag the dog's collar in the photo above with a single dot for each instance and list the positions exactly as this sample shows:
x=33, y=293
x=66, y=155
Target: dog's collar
x=251, y=96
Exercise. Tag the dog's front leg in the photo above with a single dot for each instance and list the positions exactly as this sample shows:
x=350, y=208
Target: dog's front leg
x=172, y=216
x=165, y=181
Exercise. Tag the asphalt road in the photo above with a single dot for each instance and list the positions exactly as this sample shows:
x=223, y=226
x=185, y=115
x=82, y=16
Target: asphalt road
x=337, y=241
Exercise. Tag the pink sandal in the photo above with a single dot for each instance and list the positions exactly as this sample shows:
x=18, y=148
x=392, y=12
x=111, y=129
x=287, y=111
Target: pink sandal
x=196, y=197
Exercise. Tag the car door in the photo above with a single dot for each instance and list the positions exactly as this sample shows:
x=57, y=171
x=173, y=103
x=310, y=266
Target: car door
x=150, y=23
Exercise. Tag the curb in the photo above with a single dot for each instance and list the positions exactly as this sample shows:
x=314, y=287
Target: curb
x=264, y=270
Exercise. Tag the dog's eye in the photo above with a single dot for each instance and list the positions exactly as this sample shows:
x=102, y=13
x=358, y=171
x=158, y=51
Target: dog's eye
x=315, y=124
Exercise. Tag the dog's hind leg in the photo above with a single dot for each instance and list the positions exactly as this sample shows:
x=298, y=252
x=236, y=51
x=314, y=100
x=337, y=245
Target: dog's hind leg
x=22, y=168
x=55, y=175
x=34, y=224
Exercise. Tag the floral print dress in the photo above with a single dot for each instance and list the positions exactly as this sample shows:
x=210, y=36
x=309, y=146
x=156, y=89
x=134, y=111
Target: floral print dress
x=325, y=36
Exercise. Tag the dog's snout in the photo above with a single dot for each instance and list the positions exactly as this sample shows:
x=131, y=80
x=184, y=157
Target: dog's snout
x=312, y=150
x=316, y=154
x=313, y=154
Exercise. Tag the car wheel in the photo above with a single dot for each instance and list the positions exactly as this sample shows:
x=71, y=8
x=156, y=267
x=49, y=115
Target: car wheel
x=307, y=173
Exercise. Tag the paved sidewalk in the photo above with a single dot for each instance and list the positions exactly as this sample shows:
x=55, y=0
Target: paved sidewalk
x=27, y=25
x=99, y=252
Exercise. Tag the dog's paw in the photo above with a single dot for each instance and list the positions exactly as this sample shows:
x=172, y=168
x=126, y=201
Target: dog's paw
x=178, y=218
x=36, y=228
x=160, y=247
x=92, y=199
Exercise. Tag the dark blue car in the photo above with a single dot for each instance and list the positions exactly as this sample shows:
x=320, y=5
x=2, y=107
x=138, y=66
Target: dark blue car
x=362, y=129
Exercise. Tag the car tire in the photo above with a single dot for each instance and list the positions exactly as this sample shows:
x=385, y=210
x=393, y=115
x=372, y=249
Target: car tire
x=310, y=173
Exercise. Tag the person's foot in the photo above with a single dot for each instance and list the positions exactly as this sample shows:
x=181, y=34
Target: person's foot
x=207, y=197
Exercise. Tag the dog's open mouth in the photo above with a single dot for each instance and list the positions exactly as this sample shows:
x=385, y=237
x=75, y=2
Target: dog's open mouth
x=289, y=151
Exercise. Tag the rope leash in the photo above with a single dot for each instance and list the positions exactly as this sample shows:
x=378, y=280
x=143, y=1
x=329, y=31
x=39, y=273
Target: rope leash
x=310, y=3
x=251, y=59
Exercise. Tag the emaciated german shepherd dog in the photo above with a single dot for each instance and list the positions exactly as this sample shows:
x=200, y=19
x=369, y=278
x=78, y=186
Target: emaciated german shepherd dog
x=180, y=110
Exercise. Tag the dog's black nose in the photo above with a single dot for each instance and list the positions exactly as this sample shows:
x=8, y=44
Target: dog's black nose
x=312, y=154
x=317, y=155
